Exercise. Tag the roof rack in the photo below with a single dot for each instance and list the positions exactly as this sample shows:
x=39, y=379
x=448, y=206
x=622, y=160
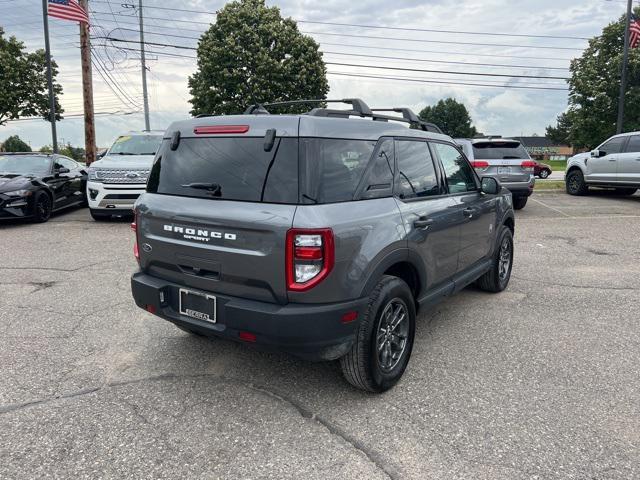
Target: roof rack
x=359, y=108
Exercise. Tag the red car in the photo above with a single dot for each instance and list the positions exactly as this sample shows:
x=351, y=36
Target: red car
x=541, y=170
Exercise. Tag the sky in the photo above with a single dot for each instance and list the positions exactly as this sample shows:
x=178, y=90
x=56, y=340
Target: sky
x=497, y=109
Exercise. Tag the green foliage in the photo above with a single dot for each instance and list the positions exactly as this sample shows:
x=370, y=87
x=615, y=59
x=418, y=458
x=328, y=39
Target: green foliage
x=594, y=89
x=251, y=54
x=561, y=133
x=14, y=144
x=77, y=153
x=451, y=116
x=23, y=88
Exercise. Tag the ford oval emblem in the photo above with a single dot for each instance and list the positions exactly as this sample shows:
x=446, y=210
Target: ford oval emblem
x=146, y=247
x=132, y=175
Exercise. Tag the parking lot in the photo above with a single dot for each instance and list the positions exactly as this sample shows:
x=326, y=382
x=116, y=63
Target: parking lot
x=540, y=381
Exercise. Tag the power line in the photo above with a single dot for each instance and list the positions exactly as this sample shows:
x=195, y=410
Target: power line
x=379, y=27
x=379, y=77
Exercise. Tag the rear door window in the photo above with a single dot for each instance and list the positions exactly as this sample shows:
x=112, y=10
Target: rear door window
x=332, y=168
x=228, y=168
x=634, y=144
x=459, y=174
x=416, y=172
x=499, y=150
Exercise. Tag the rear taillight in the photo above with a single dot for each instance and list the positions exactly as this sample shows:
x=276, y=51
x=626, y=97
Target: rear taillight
x=528, y=165
x=309, y=257
x=134, y=227
x=480, y=164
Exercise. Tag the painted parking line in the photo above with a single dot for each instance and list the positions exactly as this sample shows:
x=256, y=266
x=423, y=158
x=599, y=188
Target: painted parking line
x=550, y=207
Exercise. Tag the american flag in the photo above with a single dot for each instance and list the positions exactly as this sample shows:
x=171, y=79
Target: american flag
x=67, y=10
x=634, y=32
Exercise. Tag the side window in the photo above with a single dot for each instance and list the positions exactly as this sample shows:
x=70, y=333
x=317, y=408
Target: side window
x=416, y=172
x=66, y=163
x=613, y=146
x=460, y=176
x=379, y=176
x=634, y=144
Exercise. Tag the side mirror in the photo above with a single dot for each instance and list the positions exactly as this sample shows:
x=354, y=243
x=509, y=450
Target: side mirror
x=62, y=170
x=598, y=153
x=490, y=186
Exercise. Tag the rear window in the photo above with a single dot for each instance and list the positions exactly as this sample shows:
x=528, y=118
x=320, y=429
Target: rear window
x=499, y=151
x=332, y=168
x=228, y=168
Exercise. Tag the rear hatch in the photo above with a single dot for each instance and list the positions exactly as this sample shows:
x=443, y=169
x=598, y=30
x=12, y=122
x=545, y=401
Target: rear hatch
x=505, y=159
x=218, y=207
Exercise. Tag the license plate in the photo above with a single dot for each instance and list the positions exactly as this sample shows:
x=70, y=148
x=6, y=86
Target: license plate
x=197, y=305
x=504, y=170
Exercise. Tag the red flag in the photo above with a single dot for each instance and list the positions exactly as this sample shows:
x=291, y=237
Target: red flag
x=634, y=32
x=67, y=10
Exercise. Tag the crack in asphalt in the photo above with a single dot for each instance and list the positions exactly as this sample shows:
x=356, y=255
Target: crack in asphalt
x=53, y=269
x=571, y=285
x=373, y=456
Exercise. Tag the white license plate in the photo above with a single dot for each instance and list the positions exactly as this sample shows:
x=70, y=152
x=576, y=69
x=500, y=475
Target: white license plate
x=504, y=170
x=197, y=305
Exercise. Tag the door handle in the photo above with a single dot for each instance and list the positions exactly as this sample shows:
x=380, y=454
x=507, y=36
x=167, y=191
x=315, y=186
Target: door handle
x=468, y=212
x=423, y=223
x=612, y=159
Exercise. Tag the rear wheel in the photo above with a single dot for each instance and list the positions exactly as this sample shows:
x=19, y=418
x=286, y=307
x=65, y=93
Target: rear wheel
x=545, y=173
x=99, y=217
x=520, y=202
x=384, y=339
x=575, y=183
x=625, y=191
x=497, y=279
x=42, y=207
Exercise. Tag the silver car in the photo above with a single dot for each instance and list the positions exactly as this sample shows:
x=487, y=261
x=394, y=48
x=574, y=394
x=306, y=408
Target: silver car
x=614, y=164
x=504, y=159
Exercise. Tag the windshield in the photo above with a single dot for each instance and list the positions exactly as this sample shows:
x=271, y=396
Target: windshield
x=499, y=150
x=25, y=164
x=136, y=145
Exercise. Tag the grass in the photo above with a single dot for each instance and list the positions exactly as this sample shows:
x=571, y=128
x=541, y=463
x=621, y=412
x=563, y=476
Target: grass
x=556, y=165
x=549, y=185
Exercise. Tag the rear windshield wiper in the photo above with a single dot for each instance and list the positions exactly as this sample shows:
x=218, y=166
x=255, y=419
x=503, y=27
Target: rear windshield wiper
x=213, y=188
x=510, y=157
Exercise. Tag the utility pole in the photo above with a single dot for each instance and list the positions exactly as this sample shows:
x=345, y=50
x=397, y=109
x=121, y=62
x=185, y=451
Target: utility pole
x=87, y=90
x=145, y=97
x=52, y=98
x=623, y=75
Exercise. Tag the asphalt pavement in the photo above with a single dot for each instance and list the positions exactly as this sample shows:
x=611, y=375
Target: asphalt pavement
x=540, y=381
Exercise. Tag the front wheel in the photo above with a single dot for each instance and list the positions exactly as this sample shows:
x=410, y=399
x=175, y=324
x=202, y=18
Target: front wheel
x=497, y=278
x=42, y=207
x=384, y=338
x=575, y=184
x=519, y=202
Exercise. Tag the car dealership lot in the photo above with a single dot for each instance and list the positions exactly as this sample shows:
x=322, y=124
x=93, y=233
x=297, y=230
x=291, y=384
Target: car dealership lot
x=540, y=381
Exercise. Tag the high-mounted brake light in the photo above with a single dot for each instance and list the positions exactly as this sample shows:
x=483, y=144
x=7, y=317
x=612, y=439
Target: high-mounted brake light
x=220, y=129
x=310, y=255
x=481, y=164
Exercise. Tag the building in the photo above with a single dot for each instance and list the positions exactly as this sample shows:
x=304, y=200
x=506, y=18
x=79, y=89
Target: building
x=542, y=148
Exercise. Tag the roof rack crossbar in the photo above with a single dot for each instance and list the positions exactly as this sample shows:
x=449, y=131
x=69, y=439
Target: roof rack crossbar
x=359, y=106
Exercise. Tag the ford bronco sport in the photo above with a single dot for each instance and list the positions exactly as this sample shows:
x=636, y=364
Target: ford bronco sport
x=320, y=234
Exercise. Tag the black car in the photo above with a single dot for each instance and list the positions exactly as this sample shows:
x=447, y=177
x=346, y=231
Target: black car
x=33, y=185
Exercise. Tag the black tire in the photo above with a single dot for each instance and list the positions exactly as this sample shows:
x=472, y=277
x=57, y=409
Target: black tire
x=575, y=183
x=495, y=280
x=519, y=202
x=363, y=366
x=42, y=207
x=99, y=217
x=545, y=173
x=625, y=192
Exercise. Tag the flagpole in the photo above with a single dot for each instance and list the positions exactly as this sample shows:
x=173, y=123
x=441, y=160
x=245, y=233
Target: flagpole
x=623, y=76
x=52, y=98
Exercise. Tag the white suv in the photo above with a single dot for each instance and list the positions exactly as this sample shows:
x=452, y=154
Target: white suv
x=120, y=176
x=614, y=164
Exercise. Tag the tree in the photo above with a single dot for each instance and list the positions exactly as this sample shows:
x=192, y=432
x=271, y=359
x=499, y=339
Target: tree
x=594, y=89
x=14, y=144
x=451, y=116
x=23, y=89
x=561, y=133
x=251, y=54
x=68, y=150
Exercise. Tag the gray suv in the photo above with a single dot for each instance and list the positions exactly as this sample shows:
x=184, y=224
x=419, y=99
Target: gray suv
x=504, y=159
x=320, y=234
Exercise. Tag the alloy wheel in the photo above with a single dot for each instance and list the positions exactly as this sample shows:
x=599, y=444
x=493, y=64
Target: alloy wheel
x=392, y=334
x=504, y=260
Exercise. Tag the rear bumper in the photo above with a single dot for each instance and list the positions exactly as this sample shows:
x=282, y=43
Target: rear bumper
x=520, y=189
x=311, y=331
